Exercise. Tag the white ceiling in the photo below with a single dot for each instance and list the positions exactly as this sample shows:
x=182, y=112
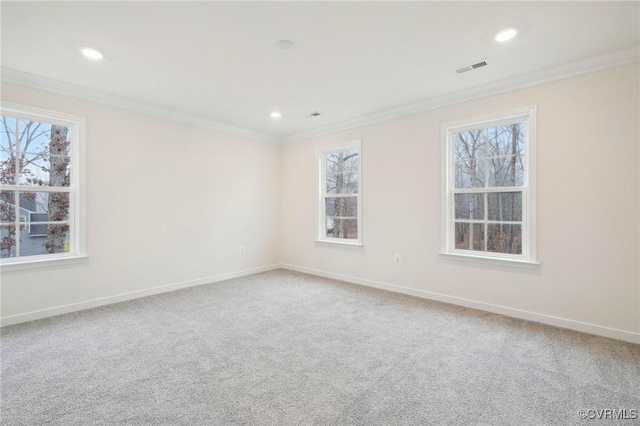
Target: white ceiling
x=217, y=62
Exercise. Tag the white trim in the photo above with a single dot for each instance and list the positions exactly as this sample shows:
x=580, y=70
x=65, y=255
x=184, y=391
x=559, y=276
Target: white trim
x=580, y=326
x=598, y=330
x=334, y=241
x=578, y=68
x=526, y=115
x=42, y=83
x=44, y=261
x=504, y=261
x=80, y=306
x=77, y=189
x=321, y=223
x=33, y=188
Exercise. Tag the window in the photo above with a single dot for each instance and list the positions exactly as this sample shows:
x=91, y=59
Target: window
x=489, y=188
x=340, y=204
x=40, y=210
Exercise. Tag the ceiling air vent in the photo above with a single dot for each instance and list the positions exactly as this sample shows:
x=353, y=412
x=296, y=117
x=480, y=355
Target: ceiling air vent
x=314, y=114
x=466, y=68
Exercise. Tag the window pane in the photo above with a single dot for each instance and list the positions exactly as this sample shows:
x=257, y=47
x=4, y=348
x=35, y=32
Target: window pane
x=37, y=229
x=7, y=168
x=519, y=175
x=6, y=136
x=7, y=241
x=504, y=238
x=341, y=162
x=498, y=141
x=506, y=171
x=470, y=173
x=489, y=158
x=471, y=144
x=44, y=239
x=35, y=155
x=35, y=206
x=44, y=170
x=8, y=131
x=34, y=137
x=469, y=206
x=506, y=140
x=352, y=160
x=505, y=206
x=342, y=183
x=469, y=237
x=342, y=207
x=7, y=207
x=342, y=228
x=45, y=206
x=40, y=149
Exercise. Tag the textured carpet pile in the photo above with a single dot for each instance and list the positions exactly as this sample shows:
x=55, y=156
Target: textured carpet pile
x=283, y=348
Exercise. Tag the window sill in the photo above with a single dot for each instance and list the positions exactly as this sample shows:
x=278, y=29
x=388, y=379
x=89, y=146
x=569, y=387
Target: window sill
x=339, y=243
x=28, y=264
x=527, y=264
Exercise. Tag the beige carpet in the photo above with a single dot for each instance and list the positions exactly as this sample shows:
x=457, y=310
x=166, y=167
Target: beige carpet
x=283, y=348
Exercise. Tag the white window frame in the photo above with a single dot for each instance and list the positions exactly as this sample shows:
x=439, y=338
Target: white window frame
x=528, y=258
x=77, y=222
x=321, y=231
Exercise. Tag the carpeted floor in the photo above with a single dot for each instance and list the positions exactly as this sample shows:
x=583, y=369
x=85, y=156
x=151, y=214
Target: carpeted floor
x=292, y=349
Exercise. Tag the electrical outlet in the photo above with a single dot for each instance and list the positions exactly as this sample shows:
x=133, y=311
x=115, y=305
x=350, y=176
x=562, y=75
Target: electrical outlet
x=397, y=258
x=241, y=249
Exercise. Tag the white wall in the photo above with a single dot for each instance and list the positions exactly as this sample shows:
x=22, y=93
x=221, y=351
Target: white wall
x=141, y=239
x=167, y=203
x=588, y=208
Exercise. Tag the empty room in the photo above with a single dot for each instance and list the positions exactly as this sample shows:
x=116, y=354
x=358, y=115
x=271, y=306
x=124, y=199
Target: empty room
x=320, y=213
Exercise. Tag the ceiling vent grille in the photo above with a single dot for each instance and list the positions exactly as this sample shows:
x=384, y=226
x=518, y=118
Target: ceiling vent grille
x=313, y=114
x=466, y=68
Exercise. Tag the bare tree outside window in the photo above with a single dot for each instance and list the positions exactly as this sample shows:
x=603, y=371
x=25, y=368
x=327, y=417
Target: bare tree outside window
x=35, y=196
x=340, y=193
x=489, y=172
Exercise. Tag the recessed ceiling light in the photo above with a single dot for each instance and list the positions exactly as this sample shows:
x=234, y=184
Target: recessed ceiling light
x=506, y=34
x=276, y=114
x=92, y=53
x=285, y=44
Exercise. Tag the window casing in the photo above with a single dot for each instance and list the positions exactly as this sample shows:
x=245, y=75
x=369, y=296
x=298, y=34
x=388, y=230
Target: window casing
x=40, y=179
x=340, y=194
x=489, y=195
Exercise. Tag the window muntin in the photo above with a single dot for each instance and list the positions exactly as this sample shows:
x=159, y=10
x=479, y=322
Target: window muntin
x=39, y=179
x=489, y=208
x=340, y=209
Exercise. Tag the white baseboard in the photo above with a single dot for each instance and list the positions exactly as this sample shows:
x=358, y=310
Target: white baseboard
x=598, y=330
x=80, y=306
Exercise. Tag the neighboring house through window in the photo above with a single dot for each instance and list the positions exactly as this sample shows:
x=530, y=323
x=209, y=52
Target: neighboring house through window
x=340, y=203
x=40, y=210
x=489, y=202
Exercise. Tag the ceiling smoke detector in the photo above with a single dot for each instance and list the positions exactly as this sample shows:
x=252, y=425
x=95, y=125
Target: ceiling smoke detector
x=474, y=66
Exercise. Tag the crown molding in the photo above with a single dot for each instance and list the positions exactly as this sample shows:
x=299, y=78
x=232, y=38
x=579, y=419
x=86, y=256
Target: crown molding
x=571, y=69
x=20, y=78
